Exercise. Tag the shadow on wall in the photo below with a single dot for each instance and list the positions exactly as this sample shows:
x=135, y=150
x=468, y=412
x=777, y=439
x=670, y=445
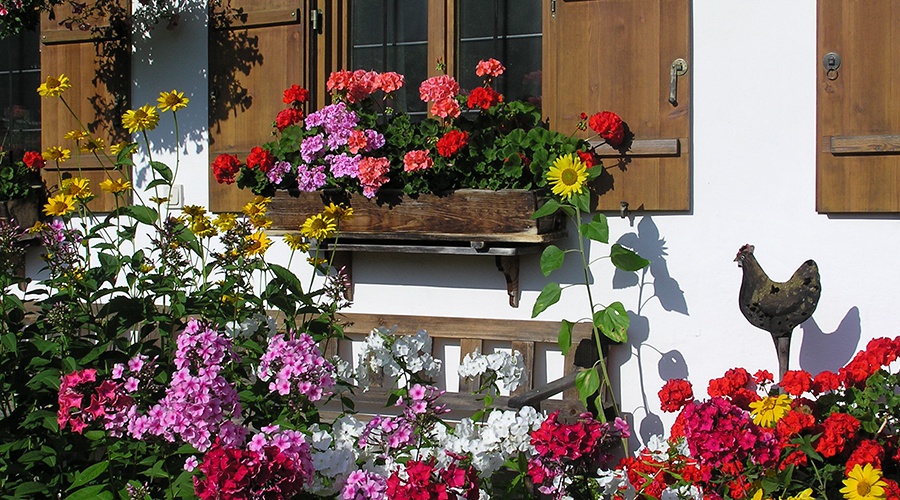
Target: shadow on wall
x=829, y=351
x=649, y=245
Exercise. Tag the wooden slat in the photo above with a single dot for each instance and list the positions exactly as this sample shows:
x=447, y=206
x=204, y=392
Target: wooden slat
x=60, y=36
x=466, y=346
x=527, y=350
x=646, y=147
x=865, y=144
x=262, y=18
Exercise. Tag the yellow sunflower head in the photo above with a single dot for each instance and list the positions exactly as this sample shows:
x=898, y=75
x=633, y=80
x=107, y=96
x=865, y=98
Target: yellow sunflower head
x=338, y=212
x=53, y=86
x=318, y=227
x=770, y=409
x=864, y=483
x=60, y=205
x=144, y=118
x=567, y=176
x=257, y=243
x=194, y=211
x=75, y=135
x=173, y=100
x=77, y=187
x=256, y=208
x=115, y=186
x=93, y=144
x=56, y=153
x=203, y=227
x=296, y=242
x=225, y=221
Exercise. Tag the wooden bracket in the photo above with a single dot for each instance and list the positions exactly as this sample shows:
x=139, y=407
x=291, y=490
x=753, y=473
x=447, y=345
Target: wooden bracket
x=509, y=266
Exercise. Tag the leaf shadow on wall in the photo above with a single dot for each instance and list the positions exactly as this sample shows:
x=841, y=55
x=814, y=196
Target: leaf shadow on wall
x=830, y=351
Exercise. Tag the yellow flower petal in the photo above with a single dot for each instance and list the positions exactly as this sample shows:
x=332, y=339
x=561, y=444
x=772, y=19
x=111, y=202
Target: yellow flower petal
x=54, y=87
x=173, y=100
x=567, y=176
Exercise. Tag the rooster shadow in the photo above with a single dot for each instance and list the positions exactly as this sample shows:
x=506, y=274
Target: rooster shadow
x=822, y=351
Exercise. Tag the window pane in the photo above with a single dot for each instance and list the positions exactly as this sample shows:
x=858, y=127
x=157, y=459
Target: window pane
x=392, y=35
x=20, y=105
x=509, y=31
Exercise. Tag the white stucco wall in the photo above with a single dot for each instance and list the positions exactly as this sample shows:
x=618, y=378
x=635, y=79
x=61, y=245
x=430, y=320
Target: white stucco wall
x=754, y=75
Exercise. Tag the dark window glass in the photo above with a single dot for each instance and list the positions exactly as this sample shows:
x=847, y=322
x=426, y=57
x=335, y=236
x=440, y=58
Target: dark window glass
x=20, y=105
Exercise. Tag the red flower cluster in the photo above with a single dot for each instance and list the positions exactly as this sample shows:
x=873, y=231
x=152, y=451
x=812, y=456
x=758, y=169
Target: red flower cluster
x=879, y=352
x=483, y=97
x=589, y=158
x=720, y=434
x=837, y=429
x=260, y=158
x=675, y=394
x=796, y=382
x=104, y=399
x=33, y=160
x=452, y=142
x=240, y=474
x=489, y=67
x=295, y=95
x=441, y=90
x=225, y=167
x=357, y=85
x=287, y=117
x=609, y=126
x=426, y=482
x=737, y=385
x=651, y=476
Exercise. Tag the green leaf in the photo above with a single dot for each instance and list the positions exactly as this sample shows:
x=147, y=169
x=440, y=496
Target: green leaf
x=551, y=259
x=587, y=382
x=89, y=474
x=548, y=208
x=162, y=169
x=613, y=322
x=597, y=229
x=549, y=295
x=288, y=278
x=141, y=213
x=564, y=339
x=25, y=489
x=626, y=259
x=582, y=201
x=91, y=493
x=8, y=341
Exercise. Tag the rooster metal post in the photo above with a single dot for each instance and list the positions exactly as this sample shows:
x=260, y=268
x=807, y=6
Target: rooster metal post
x=777, y=307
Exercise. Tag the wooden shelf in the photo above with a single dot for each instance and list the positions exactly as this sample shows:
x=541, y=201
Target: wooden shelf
x=506, y=254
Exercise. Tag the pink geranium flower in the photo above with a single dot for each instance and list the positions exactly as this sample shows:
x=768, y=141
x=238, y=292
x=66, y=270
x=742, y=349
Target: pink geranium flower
x=417, y=160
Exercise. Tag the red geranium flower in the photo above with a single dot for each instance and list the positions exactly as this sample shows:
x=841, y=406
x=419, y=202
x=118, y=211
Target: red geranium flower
x=452, y=142
x=589, y=158
x=34, y=160
x=825, y=381
x=483, y=97
x=288, y=117
x=609, y=126
x=261, y=158
x=837, y=429
x=295, y=94
x=868, y=451
x=675, y=394
x=796, y=382
x=225, y=167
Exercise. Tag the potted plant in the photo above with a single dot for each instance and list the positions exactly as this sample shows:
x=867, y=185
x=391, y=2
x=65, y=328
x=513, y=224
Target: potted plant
x=22, y=191
x=418, y=175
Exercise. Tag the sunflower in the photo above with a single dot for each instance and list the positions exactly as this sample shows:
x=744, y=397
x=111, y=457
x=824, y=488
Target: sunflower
x=864, y=483
x=173, y=100
x=54, y=87
x=144, y=118
x=257, y=243
x=56, y=153
x=115, y=186
x=76, y=187
x=225, y=221
x=318, y=227
x=567, y=176
x=257, y=207
x=338, y=212
x=194, y=211
x=93, y=144
x=296, y=242
x=769, y=410
x=203, y=227
x=60, y=205
x=75, y=135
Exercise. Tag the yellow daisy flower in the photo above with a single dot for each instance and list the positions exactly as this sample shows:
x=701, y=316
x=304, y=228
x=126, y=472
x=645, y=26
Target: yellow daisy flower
x=115, y=186
x=261, y=222
x=173, y=100
x=318, y=227
x=92, y=145
x=803, y=495
x=864, y=483
x=317, y=261
x=194, y=211
x=56, y=153
x=159, y=200
x=144, y=118
x=338, y=212
x=118, y=147
x=54, y=87
x=255, y=209
x=225, y=221
x=567, y=176
x=60, y=205
x=769, y=410
x=257, y=243
x=296, y=242
x=76, y=187
x=203, y=227
x=75, y=135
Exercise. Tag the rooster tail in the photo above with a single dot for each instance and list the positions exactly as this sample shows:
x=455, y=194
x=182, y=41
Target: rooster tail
x=783, y=346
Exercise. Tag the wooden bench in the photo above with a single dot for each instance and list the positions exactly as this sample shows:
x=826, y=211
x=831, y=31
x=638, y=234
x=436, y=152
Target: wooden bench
x=531, y=338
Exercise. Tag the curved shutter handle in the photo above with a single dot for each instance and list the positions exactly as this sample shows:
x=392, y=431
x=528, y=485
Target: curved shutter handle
x=679, y=68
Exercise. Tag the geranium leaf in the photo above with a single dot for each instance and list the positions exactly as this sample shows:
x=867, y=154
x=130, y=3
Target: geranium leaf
x=613, y=322
x=548, y=208
x=564, y=339
x=549, y=295
x=551, y=259
x=597, y=229
x=626, y=259
x=587, y=382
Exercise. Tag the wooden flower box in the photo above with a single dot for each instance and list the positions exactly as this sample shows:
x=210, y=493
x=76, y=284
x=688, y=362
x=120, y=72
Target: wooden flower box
x=465, y=215
x=24, y=211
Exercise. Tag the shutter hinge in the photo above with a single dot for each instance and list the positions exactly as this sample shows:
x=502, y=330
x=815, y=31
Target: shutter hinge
x=315, y=20
x=553, y=8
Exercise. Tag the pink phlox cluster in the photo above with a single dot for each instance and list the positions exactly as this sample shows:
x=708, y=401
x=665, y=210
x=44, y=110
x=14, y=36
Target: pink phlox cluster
x=364, y=485
x=720, y=433
x=291, y=443
x=388, y=433
x=442, y=91
x=82, y=400
x=295, y=366
x=421, y=400
x=199, y=402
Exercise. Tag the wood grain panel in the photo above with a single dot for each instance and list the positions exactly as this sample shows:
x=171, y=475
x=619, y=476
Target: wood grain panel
x=858, y=107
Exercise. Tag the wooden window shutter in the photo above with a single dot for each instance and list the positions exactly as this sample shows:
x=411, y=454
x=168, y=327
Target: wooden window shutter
x=617, y=55
x=98, y=62
x=858, y=107
x=257, y=49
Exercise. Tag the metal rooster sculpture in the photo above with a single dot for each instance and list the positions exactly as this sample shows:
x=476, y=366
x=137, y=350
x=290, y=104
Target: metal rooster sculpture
x=777, y=307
